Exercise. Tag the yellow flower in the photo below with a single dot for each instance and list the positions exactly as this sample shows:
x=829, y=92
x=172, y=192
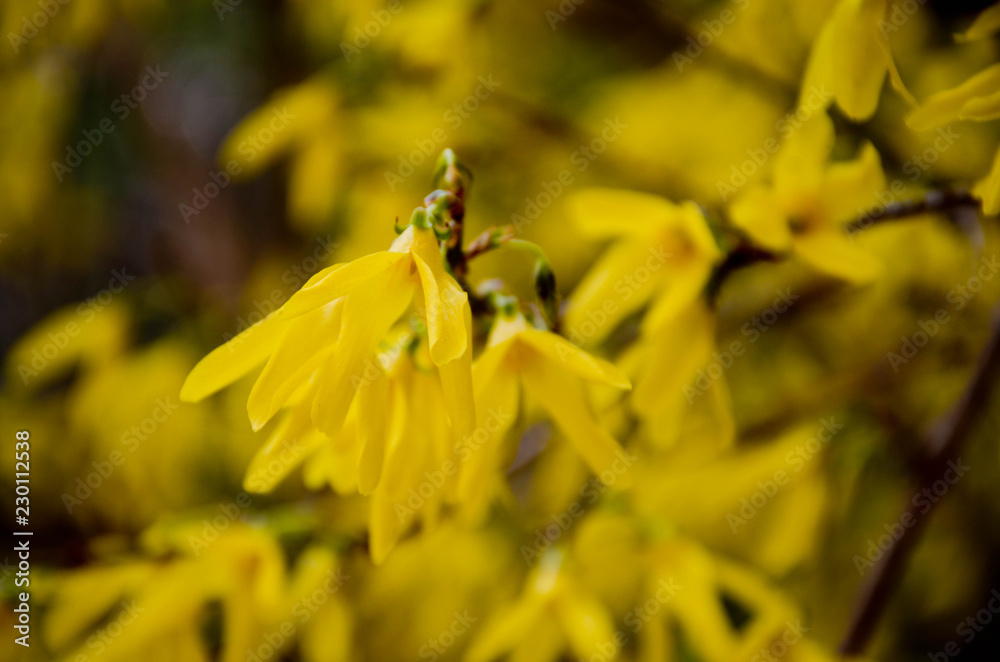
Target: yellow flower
x=809, y=201
x=976, y=100
x=328, y=333
x=553, y=613
x=851, y=57
x=550, y=370
x=664, y=255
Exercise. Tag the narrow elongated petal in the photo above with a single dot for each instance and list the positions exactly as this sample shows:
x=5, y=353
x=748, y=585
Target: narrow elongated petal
x=444, y=300
x=367, y=315
x=831, y=253
x=985, y=25
x=304, y=339
x=497, y=398
x=585, y=621
x=565, y=400
x=687, y=284
x=289, y=445
x=373, y=414
x=982, y=109
x=801, y=162
x=339, y=281
x=946, y=107
x=225, y=364
x=574, y=359
x=456, y=384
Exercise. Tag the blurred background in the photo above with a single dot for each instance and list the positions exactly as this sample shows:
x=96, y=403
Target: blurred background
x=170, y=173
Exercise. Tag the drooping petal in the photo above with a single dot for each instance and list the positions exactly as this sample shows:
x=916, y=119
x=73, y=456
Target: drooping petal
x=585, y=621
x=854, y=75
x=290, y=444
x=497, y=400
x=374, y=408
x=563, y=397
x=227, y=363
x=444, y=300
x=305, y=339
x=456, y=384
x=339, y=281
x=574, y=359
x=367, y=315
x=946, y=106
x=831, y=253
x=687, y=283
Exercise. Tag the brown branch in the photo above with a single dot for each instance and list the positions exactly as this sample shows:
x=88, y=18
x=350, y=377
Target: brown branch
x=942, y=444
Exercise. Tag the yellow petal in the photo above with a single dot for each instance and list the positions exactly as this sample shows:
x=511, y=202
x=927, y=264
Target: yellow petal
x=338, y=281
x=565, y=400
x=758, y=213
x=305, y=338
x=851, y=187
x=444, y=300
x=855, y=75
x=982, y=109
x=367, y=315
x=497, y=401
x=603, y=212
x=946, y=106
x=831, y=253
x=373, y=414
x=800, y=164
x=574, y=359
x=225, y=364
x=687, y=284
x=289, y=445
x=456, y=384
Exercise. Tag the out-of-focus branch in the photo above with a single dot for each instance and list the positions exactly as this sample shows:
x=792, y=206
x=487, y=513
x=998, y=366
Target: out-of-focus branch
x=942, y=446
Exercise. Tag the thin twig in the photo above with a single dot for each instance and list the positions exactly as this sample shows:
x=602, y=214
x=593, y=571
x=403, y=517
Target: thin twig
x=942, y=444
